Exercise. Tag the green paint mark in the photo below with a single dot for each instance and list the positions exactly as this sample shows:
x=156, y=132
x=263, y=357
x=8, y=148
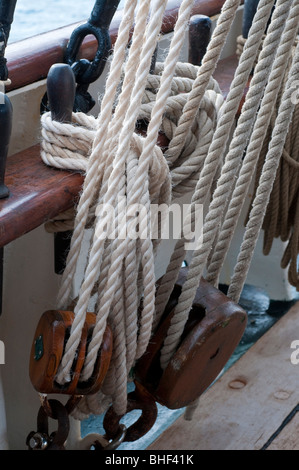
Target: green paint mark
x=38, y=348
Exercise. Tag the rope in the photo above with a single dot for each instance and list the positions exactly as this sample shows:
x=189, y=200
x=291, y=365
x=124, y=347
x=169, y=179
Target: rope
x=116, y=181
x=62, y=149
x=209, y=172
x=241, y=41
x=267, y=179
x=121, y=270
x=203, y=187
x=254, y=148
x=280, y=220
x=126, y=173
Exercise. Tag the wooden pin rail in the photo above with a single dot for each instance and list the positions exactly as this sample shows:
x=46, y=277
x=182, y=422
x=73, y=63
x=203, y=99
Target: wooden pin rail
x=38, y=193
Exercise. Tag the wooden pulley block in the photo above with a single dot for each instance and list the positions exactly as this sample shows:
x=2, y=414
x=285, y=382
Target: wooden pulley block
x=214, y=329
x=50, y=337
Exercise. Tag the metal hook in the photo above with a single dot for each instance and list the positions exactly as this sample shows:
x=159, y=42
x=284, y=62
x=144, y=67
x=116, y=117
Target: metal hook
x=41, y=440
x=139, y=399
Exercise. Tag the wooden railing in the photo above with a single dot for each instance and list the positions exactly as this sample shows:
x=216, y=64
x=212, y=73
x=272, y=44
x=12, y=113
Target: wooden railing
x=29, y=60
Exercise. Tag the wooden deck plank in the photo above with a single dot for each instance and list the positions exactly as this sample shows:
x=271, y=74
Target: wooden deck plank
x=245, y=407
x=288, y=438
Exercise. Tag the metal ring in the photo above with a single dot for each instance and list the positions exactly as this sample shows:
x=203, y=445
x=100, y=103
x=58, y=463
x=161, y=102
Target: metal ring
x=85, y=71
x=118, y=440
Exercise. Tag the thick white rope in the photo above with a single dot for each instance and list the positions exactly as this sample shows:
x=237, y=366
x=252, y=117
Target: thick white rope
x=266, y=182
x=262, y=122
x=204, y=75
x=95, y=165
x=205, y=125
x=92, y=270
x=140, y=192
x=215, y=154
x=206, y=70
x=121, y=163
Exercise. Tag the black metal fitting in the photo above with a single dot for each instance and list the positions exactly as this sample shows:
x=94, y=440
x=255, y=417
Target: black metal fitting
x=7, y=9
x=85, y=71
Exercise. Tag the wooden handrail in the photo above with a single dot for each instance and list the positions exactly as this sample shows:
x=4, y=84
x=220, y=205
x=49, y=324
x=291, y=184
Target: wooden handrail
x=30, y=60
x=37, y=194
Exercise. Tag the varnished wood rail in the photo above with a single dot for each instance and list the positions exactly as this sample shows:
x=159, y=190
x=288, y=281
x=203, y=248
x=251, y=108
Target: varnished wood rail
x=29, y=60
x=38, y=193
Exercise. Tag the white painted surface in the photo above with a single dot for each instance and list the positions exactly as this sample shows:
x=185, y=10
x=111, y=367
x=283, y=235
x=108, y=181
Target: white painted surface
x=3, y=429
x=26, y=116
x=30, y=288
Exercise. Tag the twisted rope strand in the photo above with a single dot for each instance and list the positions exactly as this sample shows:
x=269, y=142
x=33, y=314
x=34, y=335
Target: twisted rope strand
x=262, y=121
x=148, y=265
x=215, y=153
x=205, y=72
x=118, y=163
x=93, y=170
x=202, y=189
x=266, y=183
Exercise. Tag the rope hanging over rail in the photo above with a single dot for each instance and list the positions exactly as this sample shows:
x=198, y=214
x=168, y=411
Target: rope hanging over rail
x=125, y=170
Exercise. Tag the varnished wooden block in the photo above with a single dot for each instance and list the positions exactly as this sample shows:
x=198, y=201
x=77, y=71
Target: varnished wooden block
x=214, y=329
x=47, y=350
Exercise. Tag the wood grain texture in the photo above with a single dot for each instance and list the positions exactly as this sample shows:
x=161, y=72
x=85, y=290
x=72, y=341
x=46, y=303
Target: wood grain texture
x=47, y=351
x=30, y=60
x=243, y=409
x=288, y=438
x=213, y=330
x=37, y=194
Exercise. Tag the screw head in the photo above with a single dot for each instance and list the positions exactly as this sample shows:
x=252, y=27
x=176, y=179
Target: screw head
x=38, y=441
